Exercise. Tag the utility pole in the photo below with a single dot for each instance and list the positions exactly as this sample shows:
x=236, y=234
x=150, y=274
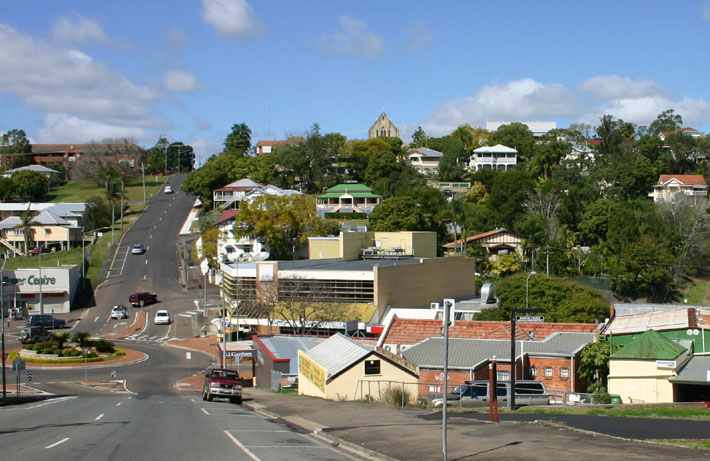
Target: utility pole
x=143, y=174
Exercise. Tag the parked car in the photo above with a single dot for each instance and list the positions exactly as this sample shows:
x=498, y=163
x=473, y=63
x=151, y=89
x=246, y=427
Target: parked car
x=476, y=394
x=162, y=317
x=168, y=190
x=45, y=320
x=222, y=382
x=120, y=312
x=38, y=250
x=138, y=249
x=34, y=334
x=142, y=298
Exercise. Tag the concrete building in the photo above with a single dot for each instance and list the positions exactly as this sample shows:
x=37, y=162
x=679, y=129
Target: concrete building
x=48, y=290
x=351, y=246
x=640, y=372
x=343, y=369
x=383, y=126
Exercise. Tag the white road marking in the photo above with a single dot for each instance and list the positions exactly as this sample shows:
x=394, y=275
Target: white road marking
x=99, y=417
x=193, y=400
x=53, y=401
x=56, y=443
x=145, y=276
x=204, y=411
x=118, y=404
x=240, y=445
x=96, y=319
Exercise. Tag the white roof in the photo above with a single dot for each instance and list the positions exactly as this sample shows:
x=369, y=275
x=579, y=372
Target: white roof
x=658, y=320
x=37, y=168
x=426, y=151
x=498, y=148
x=246, y=182
x=338, y=352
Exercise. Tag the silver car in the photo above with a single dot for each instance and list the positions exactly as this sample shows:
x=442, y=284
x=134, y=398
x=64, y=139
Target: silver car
x=119, y=312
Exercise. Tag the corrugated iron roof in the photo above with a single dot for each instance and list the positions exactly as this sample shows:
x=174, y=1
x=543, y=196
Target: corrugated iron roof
x=338, y=352
x=651, y=345
x=287, y=347
x=695, y=371
x=674, y=319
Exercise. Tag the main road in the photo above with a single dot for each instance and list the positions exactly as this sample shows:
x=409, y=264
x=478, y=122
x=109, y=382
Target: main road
x=150, y=417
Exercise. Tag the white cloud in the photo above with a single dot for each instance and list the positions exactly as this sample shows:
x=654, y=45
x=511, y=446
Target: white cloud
x=179, y=81
x=204, y=149
x=354, y=38
x=78, y=30
x=606, y=87
x=65, y=128
x=78, y=91
x=176, y=36
x=231, y=18
x=419, y=35
x=705, y=11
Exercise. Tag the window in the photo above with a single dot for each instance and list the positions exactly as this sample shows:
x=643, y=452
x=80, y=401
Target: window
x=548, y=372
x=434, y=388
x=533, y=371
x=372, y=367
x=564, y=373
x=502, y=375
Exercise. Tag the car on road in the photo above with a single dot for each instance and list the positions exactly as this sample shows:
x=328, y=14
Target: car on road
x=168, y=190
x=222, y=382
x=138, y=249
x=45, y=320
x=162, y=317
x=34, y=334
x=142, y=298
x=120, y=312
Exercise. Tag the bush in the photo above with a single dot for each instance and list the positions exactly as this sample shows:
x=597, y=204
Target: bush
x=393, y=396
x=102, y=345
x=75, y=353
x=339, y=215
x=81, y=338
x=28, y=347
x=36, y=347
x=92, y=355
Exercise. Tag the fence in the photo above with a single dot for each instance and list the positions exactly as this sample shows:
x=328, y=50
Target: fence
x=379, y=390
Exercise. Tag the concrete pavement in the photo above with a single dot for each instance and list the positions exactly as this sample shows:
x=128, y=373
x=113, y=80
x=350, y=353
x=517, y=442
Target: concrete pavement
x=383, y=432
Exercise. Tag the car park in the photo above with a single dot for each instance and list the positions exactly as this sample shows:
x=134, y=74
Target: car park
x=120, y=312
x=138, y=249
x=30, y=335
x=142, y=298
x=162, y=317
x=168, y=190
x=45, y=320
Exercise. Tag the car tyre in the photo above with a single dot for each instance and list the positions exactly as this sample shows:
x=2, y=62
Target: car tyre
x=204, y=394
x=236, y=400
x=209, y=396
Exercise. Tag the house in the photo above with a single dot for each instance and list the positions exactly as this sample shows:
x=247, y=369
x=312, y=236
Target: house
x=401, y=334
x=494, y=243
x=49, y=173
x=678, y=324
x=498, y=157
x=670, y=185
x=59, y=225
x=267, y=147
x=450, y=188
x=230, y=195
x=277, y=358
x=553, y=360
x=347, y=198
x=692, y=132
x=425, y=160
x=368, y=286
x=538, y=129
x=351, y=246
x=640, y=371
x=340, y=368
x=269, y=189
x=383, y=126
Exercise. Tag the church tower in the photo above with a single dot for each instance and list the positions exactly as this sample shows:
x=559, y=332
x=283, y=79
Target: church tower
x=383, y=126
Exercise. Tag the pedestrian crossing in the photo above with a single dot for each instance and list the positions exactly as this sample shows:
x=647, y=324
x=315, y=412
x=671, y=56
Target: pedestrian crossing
x=144, y=338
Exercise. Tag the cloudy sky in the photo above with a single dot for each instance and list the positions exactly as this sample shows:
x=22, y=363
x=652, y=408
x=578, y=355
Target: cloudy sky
x=83, y=70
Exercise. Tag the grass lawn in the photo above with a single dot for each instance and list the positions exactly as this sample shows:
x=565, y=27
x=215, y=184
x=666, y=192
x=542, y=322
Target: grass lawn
x=697, y=292
x=80, y=191
x=692, y=411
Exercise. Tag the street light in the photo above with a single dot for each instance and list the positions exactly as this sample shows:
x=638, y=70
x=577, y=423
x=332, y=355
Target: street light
x=41, y=305
x=527, y=291
x=2, y=309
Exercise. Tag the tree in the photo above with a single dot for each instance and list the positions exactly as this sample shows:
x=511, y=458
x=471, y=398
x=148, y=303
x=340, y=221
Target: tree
x=30, y=185
x=7, y=189
x=283, y=223
x=26, y=227
x=666, y=121
x=549, y=153
x=238, y=141
x=691, y=222
x=156, y=156
x=16, y=149
x=181, y=157
x=97, y=213
x=646, y=272
x=419, y=138
x=507, y=197
x=516, y=135
x=594, y=365
x=397, y=214
x=212, y=175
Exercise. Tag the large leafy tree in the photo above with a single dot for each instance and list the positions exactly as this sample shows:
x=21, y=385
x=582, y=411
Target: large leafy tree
x=97, y=214
x=516, y=135
x=238, y=141
x=398, y=214
x=666, y=121
x=283, y=223
x=507, y=197
x=594, y=364
x=562, y=300
x=30, y=185
x=646, y=272
x=212, y=175
x=156, y=156
x=15, y=146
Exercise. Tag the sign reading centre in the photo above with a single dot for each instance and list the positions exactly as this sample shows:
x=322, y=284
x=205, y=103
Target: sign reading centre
x=313, y=372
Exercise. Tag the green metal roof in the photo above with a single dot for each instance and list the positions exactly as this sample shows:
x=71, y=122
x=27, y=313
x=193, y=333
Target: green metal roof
x=356, y=190
x=651, y=345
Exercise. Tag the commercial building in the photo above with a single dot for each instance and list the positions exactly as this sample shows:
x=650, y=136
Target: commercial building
x=48, y=290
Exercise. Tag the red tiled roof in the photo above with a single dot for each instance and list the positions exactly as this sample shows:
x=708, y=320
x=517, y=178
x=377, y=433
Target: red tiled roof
x=687, y=129
x=479, y=237
x=413, y=331
x=227, y=215
x=685, y=179
x=271, y=143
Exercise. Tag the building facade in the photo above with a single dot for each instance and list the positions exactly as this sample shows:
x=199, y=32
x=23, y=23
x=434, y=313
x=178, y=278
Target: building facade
x=498, y=157
x=383, y=126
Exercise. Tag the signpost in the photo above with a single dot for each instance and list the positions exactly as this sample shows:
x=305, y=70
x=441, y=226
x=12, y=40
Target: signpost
x=514, y=316
x=530, y=318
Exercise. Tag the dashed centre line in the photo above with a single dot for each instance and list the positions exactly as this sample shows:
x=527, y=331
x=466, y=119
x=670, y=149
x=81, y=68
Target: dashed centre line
x=57, y=443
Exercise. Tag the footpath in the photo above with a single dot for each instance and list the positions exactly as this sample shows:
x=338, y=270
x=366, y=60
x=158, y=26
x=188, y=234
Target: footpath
x=377, y=431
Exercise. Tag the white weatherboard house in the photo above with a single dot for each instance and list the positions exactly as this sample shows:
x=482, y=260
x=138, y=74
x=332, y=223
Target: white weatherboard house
x=498, y=157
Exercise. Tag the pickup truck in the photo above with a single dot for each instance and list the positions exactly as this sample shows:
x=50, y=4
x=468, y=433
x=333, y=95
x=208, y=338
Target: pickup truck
x=224, y=383
x=475, y=394
x=29, y=335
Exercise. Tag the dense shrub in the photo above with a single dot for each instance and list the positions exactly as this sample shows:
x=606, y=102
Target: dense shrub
x=36, y=347
x=102, y=345
x=393, y=396
x=339, y=215
x=92, y=355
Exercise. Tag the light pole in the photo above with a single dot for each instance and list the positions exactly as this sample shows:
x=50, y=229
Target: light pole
x=41, y=305
x=527, y=291
x=2, y=309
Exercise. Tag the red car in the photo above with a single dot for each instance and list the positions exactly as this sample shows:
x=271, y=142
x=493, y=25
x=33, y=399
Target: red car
x=142, y=298
x=38, y=250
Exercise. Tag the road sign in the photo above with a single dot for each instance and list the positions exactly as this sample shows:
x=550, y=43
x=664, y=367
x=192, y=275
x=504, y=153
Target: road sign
x=29, y=376
x=18, y=364
x=188, y=355
x=113, y=374
x=529, y=318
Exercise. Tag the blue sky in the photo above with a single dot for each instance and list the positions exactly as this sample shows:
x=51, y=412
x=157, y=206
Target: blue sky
x=83, y=70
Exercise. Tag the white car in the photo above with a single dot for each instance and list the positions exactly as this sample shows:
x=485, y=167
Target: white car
x=119, y=312
x=162, y=317
x=168, y=189
x=138, y=249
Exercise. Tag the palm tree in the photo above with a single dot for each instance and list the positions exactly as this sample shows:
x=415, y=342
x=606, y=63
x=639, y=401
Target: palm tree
x=26, y=226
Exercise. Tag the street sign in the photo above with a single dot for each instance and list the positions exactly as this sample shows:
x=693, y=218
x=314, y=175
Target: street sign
x=188, y=355
x=18, y=364
x=529, y=318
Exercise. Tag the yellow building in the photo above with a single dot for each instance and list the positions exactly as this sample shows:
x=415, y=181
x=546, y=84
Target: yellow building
x=351, y=246
x=640, y=371
x=343, y=369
